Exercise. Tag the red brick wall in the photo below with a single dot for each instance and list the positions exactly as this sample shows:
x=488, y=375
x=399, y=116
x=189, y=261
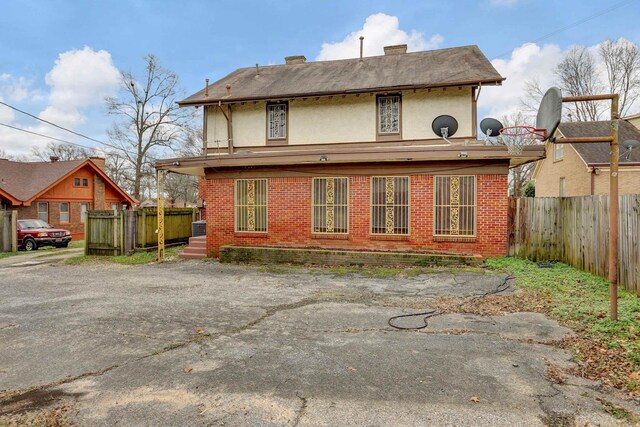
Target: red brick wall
x=289, y=218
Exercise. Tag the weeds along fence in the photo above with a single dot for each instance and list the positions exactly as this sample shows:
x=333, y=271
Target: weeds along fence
x=110, y=232
x=575, y=230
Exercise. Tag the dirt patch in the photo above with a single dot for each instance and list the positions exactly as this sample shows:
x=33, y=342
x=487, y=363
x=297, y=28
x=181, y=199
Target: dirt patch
x=32, y=400
x=55, y=417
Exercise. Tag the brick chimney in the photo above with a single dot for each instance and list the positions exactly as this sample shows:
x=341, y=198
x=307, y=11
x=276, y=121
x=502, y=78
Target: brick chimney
x=297, y=59
x=398, y=49
x=99, y=162
x=54, y=159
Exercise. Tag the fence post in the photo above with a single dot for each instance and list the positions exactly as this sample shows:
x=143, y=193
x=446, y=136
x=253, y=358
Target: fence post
x=144, y=228
x=14, y=231
x=115, y=233
x=87, y=218
x=121, y=218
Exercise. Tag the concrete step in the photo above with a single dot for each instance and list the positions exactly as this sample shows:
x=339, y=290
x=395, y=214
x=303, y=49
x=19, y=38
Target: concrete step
x=198, y=244
x=196, y=251
x=191, y=256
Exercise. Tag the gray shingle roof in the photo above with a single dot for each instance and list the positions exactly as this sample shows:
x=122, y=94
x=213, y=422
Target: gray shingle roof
x=594, y=153
x=435, y=68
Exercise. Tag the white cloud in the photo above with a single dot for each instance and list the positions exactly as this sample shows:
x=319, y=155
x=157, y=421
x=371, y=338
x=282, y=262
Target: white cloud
x=527, y=62
x=79, y=79
x=379, y=30
x=17, y=88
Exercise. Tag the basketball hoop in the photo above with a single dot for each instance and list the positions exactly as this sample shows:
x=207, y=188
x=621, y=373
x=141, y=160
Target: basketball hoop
x=516, y=137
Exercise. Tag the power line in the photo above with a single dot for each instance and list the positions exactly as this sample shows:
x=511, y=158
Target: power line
x=573, y=24
x=51, y=123
x=74, y=143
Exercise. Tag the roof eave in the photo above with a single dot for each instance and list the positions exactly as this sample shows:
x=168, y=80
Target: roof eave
x=229, y=100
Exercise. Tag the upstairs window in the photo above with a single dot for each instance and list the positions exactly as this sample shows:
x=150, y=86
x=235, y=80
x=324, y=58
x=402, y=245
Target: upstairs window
x=76, y=182
x=251, y=205
x=85, y=182
x=389, y=115
x=277, y=121
x=558, y=152
x=455, y=206
x=330, y=204
x=390, y=205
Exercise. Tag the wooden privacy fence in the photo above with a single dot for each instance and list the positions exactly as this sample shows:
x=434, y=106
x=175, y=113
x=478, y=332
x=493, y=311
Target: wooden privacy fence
x=121, y=232
x=8, y=231
x=575, y=230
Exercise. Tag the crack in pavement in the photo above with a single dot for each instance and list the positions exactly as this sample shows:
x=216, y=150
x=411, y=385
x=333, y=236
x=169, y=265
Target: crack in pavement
x=301, y=410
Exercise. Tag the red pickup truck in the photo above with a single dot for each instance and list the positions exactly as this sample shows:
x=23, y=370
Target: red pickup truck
x=33, y=233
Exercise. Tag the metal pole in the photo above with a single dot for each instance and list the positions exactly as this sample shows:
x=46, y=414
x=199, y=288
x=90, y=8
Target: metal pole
x=160, y=178
x=614, y=211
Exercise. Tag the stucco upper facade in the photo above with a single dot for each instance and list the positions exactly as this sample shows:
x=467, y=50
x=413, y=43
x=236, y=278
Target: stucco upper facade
x=342, y=119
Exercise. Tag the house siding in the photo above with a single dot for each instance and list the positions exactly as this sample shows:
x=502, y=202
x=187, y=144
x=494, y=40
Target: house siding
x=338, y=119
x=289, y=217
x=571, y=167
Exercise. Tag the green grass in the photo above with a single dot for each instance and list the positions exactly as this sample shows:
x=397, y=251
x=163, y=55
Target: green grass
x=46, y=250
x=581, y=301
x=138, y=258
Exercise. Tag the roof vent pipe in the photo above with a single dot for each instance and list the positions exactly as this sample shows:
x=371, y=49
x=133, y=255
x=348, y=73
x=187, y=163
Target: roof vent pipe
x=361, y=47
x=54, y=159
x=228, y=90
x=206, y=87
x=257, y=70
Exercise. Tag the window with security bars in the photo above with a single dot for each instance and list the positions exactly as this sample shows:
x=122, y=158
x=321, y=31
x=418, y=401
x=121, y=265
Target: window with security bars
x=390, y=205
x=277, y=121
x=389, y=114
x=251, y=205
x=330, y=205
x=455, y=205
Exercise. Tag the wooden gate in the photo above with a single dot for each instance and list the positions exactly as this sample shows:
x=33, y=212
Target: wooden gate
x=122, y=232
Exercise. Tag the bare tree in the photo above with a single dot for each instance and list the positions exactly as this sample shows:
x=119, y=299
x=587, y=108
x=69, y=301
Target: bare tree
x=184, y=188
x=577, y=76
x=519, y=176
x=613, y=68
x=150, y=119
x=62, y=151
x=621, y=60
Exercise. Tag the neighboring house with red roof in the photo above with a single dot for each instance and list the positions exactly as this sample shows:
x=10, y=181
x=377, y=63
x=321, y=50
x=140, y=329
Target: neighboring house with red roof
x=59, y=192
x=583, y=169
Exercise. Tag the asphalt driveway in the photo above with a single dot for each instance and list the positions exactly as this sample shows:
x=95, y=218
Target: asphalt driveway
x=200, y=343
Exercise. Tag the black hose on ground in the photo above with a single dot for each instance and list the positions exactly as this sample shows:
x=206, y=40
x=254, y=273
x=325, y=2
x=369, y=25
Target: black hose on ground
x=433, y=313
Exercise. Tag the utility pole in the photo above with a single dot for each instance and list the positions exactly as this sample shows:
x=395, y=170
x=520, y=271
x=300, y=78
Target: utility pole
x=160, y=175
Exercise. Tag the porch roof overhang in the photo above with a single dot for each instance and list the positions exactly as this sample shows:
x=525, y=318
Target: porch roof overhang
x=325, y=156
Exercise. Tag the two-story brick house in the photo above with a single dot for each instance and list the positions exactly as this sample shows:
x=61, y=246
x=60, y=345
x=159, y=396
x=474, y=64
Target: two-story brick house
x=344, y=154
x=59, y=192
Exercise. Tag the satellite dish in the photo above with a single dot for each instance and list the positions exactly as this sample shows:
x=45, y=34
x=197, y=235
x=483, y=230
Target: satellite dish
x=630, y=144
x=444, y=126
x=550, y=112
x=490, y=126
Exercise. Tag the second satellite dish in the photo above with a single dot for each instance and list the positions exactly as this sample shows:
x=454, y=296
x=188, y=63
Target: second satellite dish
x=444, y=126
x=490, y=127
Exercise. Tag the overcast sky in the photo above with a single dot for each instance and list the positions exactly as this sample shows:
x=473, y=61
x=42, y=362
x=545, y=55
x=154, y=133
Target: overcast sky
x=60, y=59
